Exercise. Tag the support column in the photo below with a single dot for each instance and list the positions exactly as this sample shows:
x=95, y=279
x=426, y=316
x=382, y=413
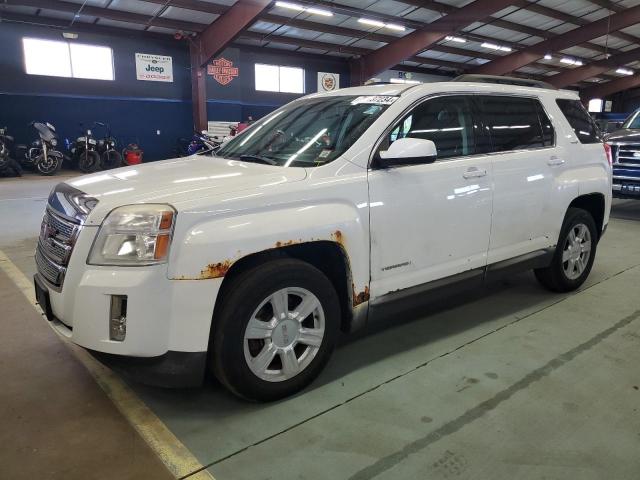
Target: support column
x=198, y=88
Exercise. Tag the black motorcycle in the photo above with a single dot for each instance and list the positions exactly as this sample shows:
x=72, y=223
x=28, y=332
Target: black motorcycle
x=84, y=152
x=8, y=166
x=42, y=154
x=107, y=149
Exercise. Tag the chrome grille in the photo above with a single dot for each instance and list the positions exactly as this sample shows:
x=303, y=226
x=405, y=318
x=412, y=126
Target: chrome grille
x=627, y=155
x=57, y=237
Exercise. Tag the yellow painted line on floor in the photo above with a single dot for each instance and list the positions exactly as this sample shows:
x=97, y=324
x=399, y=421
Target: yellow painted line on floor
x=175, y=456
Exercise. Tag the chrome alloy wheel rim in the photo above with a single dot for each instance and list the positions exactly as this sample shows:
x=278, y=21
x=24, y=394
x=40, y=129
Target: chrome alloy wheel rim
x=576, y=252
x=284, y=334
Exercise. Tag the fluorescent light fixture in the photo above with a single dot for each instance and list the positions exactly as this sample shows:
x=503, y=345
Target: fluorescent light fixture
x=624, y=71
x=301, y=8
x=319, y=11
x=571, y=61
x=493, y=46
x=548, y=56
x=70, y=35
x=451, y=38
x=393, y=26
x=578, y=63
x=290, y=6
x=373, y=23
x=379, y=24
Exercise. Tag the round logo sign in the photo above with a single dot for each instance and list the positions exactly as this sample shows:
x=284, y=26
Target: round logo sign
x=328, y=82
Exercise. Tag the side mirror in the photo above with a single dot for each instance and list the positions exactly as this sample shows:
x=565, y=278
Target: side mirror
x=408, y=151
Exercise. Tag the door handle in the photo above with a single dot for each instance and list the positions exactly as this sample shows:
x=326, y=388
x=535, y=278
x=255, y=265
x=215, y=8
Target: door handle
x=474, y=172
x=553, y=160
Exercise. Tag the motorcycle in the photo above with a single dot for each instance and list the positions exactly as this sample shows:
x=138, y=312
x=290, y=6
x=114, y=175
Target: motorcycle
x=84, y=152
x=106, y=148
x=8, y=166
x=42, y=154
x=200, y=142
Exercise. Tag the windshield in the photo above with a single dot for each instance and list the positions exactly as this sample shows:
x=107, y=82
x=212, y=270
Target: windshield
x=633, y=121
x=307, y=133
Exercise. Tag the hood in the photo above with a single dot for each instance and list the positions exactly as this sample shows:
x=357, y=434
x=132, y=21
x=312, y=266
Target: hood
x=179, y=180
x=624, y=135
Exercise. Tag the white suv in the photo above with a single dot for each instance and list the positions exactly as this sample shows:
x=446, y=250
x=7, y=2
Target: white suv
x=248, y=262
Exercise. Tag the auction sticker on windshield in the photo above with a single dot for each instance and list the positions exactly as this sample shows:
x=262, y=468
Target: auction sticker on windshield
x=375, y=99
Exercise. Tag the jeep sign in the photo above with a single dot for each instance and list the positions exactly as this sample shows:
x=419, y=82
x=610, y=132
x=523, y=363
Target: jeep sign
x=154, y=68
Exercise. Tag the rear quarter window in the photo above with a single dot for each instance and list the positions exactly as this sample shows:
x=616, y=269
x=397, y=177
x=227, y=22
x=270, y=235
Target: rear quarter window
x=581, y=122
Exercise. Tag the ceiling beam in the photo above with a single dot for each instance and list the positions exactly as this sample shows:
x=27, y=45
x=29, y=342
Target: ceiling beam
x=603, y=90
x=109, y=14
x=608, y=5
x=419, y=40
x=579, y=35
x=348, y=49
x=574, y=75
x=516, y=27
x=228, y=26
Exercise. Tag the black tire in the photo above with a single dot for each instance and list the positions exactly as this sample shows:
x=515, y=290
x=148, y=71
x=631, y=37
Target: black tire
x=244, y=295
x=554, y=277
x=13, y=168
x=89, y=161
x=111, y=159
x=48, y=167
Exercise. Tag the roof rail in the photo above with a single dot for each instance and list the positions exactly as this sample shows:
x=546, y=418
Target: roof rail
x=523, y=82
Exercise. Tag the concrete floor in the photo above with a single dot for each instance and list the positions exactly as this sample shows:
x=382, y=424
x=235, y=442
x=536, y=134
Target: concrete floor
x=509, y=382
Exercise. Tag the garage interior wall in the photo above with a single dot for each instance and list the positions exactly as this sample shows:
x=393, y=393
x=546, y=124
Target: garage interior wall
x=137, y=110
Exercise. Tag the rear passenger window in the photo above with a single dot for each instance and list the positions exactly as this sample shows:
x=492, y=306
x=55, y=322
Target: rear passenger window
x=516, y=123
x=580, y=120
x=446, y=121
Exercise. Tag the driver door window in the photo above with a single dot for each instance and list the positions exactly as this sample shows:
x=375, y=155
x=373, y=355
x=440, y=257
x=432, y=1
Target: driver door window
x=446, y=121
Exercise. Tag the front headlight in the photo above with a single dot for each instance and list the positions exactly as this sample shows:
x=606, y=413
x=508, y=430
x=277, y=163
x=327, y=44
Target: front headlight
x=134, y=235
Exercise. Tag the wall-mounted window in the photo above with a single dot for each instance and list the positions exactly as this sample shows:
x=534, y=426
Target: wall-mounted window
x=65, y=59
x=273, y=78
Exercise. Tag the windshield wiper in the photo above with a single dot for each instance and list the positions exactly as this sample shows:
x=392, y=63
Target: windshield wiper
x=258, y=159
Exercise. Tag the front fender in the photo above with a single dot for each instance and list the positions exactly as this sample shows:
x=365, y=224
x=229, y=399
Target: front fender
x=205, y=248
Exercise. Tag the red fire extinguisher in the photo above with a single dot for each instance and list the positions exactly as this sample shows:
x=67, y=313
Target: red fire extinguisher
x=132, y=154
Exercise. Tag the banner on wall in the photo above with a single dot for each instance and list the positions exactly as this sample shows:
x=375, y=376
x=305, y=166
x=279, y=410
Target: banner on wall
x=222, y=70
x=154, y=68
x=328, y=82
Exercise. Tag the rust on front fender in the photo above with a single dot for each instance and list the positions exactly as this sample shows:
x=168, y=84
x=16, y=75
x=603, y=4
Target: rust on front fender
x=360, y=297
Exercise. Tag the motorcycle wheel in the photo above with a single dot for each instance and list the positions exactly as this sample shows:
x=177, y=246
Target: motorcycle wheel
x=111, y=159
x=48, y=166
x=13, y=168
x=89, y=161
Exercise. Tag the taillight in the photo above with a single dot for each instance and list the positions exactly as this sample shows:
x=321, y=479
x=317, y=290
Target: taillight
x=607, y=150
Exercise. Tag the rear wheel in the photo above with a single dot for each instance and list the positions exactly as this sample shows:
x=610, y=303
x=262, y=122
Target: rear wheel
x=275, y=330
x=574, y=255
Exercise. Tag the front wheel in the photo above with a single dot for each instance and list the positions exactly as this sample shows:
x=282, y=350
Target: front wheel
x=574, y=255
x=111, y=159
x=49, y=165
x=89, y=161
x=275, y=330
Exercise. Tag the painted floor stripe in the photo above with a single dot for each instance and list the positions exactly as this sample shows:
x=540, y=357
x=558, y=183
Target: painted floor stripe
x=175, y=456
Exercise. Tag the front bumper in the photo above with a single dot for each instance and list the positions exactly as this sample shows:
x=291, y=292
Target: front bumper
x=171, y=370
x=168, y=322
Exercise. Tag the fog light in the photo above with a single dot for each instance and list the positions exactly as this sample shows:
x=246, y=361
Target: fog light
x=118, y=318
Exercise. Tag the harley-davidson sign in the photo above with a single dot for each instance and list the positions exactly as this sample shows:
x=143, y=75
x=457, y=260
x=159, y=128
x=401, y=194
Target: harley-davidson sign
x=222, y=70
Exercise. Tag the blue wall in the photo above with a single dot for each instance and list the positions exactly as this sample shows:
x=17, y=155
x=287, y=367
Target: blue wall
x=239, y=98
x=137, y=109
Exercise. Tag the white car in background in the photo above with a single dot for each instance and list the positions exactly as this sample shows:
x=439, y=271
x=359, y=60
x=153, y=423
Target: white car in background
x=329, y=210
